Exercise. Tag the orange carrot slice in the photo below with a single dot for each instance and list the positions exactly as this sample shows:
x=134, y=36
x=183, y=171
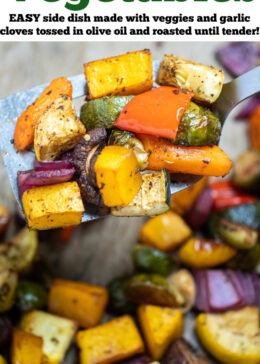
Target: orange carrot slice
x=24, y=130
x=204, y=161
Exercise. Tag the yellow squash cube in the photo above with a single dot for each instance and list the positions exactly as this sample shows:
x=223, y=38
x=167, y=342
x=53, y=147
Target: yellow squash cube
x=160, y=326
x=57, y=333
x=117, y=176
x=128, y=74
x=201, y=253
x=53, y=206
x=110, y=342
x=26, y=348
x=78, y=301
x=165, y=232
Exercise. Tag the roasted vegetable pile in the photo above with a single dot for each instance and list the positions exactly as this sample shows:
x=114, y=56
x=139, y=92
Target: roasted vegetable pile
x=119, y=153
x=202, y=256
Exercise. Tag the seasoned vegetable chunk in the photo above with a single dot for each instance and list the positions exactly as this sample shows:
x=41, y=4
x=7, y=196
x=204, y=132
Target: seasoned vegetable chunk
x=110, y=342
x=8, y=284
x=247, y=214
x=127, y=140
x=205, y=82
x=160, y=326
x=30, y=296
x=203, y=161
x=152, y=199
x=119, y=75
x=232, y=337
x=155, y=290
x=103, y=111
x=119, y=303
x=26, y=348
x=198, y=127
x=184, y=281
x=58, y=130
x=237, y=235
x=246, y=173
x=20, y=252
x=81, y=302
x=53, y=206
x=57, y=333
x=200, y=254
x=165, y=232
x=117, y=176
x=24, y=129
x=151, y=260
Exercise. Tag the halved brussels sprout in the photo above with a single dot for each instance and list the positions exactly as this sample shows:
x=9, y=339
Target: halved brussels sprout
x=198, y=127
x=8, y=283
x=19, y=253
x=155, y=290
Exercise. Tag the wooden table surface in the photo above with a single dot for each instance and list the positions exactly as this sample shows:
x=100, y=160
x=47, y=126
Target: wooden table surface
x=99, y=251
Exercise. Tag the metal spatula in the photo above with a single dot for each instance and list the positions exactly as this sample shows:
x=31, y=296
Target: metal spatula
x=12, y=106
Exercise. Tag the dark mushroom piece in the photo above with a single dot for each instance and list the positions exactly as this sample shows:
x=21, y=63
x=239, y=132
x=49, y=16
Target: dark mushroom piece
x=181, y=352
x=84, y=157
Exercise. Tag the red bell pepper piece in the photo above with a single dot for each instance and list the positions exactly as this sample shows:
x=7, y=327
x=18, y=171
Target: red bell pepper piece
x=155, y=112
x=225, y=195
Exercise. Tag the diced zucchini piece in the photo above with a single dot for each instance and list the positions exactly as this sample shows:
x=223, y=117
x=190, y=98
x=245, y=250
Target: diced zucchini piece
x=103, y=111
x=53, y=206
x=153, y=198
x=237, y=235
x=205, y=82
x=247, y=214
x=128, y=74
x=8, y=284
x=246, y=172
x=57, y=333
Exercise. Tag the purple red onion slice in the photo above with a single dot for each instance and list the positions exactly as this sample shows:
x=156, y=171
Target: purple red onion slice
x=201, y=209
